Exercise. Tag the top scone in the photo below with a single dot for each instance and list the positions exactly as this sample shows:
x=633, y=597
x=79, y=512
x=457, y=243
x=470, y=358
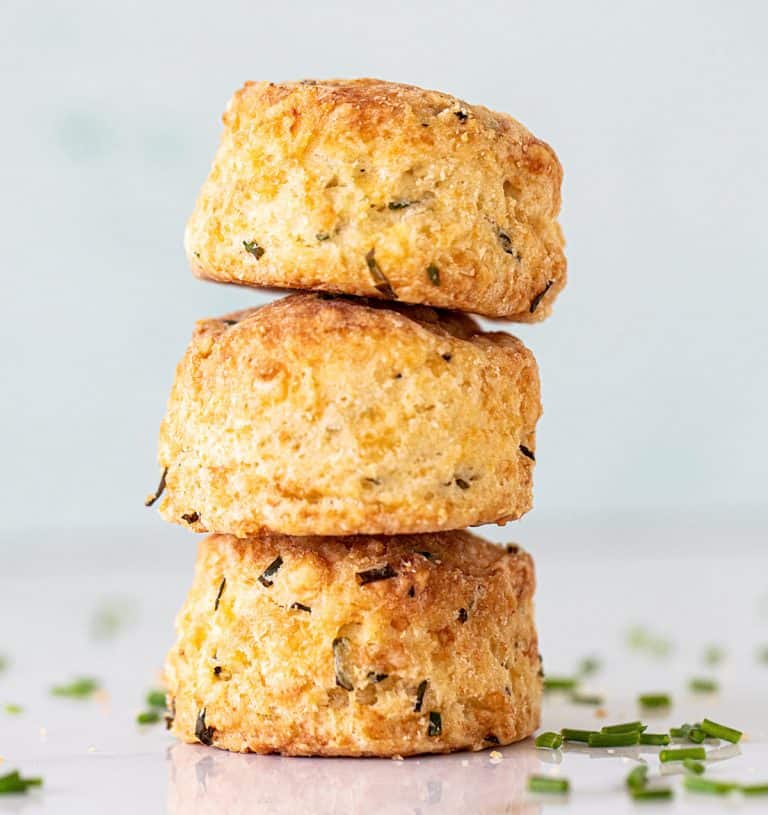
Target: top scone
x=374, y=188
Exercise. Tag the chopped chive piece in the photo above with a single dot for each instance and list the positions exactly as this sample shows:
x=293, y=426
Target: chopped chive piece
x=641, y=639
x=589, y=666
x=156, y=698
x=755, y=789
x=148, y=717
x=527, y=452
x=680, y=732
x=697, y=753
x=111, y=616
x=540, y=296
x=340, y=652
x=702, y=685
x=586, y=699
x=4, y=662
x=548, y=785
x=222, y=586
x=614, y=739
x=254, y=249
x=265, y=578
x=713, y=655
x=380, y=281
x=14, y=782
x=549, y=740
x=695, y=783
x=13, y=709
x=150, y=499
x=696, y=735
x=652, y=794
x=420, y=691
x=560, y=683
x=627, y=727
x=203, y=733
x=720, y=731
x=573, y=734
x=695, y=767
x=654, y=700
x=78, y=689
x=638, y=777
x=374, y=575
x=433, y=273
x=435, y=724
x=661, y=739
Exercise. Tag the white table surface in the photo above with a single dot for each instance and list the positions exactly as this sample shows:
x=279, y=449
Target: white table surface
x=693, y=584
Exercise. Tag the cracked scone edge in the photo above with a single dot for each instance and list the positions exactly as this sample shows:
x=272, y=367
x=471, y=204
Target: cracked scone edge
x=336, y=416
x=441, y=655
x=313, y=180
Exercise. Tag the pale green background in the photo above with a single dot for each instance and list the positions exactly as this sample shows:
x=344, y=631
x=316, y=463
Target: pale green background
x=654, y=362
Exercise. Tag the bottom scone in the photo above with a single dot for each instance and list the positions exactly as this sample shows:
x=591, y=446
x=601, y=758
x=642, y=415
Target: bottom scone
x=356, y=646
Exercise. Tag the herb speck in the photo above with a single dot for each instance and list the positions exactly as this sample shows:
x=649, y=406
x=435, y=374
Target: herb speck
x=538, y=298
x=380, y=281
x=203, y=733
x=385, y=572
x=420, y=691
x=340, y=653
x=220, y=592
x=158, y=492
x=435, y=724
x=270, y=571
x=254, y=249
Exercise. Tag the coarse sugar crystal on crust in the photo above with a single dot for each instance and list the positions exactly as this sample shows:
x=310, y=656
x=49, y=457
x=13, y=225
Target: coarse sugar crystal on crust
x=381, y=189
x=365, y=646
x=338, y=416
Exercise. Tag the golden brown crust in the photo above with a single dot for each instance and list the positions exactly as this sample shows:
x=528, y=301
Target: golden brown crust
x=286, y=648
x=333, y=416
x=367, y=187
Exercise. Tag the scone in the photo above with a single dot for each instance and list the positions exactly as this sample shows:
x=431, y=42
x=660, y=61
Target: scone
x=385, y=190
x=317, y=415
x=365, y=646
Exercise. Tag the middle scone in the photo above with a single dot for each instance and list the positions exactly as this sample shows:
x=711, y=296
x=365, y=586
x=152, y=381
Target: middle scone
x=323, y=415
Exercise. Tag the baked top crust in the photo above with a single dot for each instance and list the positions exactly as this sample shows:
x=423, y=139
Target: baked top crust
x=380, y=189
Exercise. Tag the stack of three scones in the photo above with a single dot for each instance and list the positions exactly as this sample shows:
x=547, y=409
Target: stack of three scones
x=337, y=442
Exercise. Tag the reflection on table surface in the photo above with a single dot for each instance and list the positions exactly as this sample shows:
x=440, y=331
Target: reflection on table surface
x=202, y=780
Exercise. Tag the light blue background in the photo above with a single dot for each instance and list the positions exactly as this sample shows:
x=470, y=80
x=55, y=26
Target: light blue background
x=654, y=362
